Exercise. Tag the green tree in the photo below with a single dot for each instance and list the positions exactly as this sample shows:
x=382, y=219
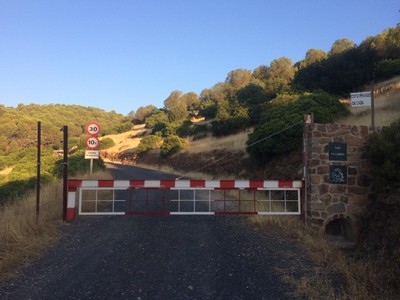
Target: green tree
x=143, y=113
x=191, y=101
x=157, y=117
x=238, y=78
x=176, y=105
x=231, y=118
x=280, y=130
x=341, y=45
x=312, y=56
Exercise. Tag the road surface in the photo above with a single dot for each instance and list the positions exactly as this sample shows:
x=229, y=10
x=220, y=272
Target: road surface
x=163, y=257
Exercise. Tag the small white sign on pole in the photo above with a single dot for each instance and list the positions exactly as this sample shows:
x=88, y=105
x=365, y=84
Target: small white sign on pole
x=360, y=99
x=92, y=154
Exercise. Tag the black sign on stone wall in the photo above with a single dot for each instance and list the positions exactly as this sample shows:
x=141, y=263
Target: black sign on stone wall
x=338, y=174
x=338, y=151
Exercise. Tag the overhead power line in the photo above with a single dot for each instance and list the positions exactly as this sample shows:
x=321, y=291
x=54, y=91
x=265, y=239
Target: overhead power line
x=251, y=145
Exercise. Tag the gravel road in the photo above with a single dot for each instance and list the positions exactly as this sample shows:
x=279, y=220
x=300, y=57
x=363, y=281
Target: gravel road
x=163, y=257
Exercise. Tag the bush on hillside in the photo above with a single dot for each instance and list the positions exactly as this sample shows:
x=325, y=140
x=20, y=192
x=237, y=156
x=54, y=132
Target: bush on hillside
x=384, y=155
x=172, y=144
x=106, y=143
x=77, y=164
x=148, y=143
x=281, y=128
x=231, y=118
x=189, y=129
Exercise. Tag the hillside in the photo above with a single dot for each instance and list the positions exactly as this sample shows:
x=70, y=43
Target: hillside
x=226, y=156
x=18, y=125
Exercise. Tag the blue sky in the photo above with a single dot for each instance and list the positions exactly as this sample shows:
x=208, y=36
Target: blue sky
x=123, y=54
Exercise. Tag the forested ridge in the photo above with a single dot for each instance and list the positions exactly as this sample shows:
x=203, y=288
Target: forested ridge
x=271, y=98
x=18, y=141
x=18, y=125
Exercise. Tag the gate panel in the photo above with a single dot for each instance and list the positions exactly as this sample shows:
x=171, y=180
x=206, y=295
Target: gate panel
x=184, y=197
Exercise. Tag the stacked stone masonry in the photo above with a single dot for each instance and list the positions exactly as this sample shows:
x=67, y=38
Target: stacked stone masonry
x=327, y=201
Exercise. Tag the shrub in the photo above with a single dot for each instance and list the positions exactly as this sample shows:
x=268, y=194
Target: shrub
x=209, y=112
x=231, y=118
x=269, y=139
x=172, y=144
x=384, y=155
x=148, y=143
x=106, y=143
x=189, y=129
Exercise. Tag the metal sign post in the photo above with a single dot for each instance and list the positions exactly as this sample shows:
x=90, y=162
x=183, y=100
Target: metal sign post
x=361, y=99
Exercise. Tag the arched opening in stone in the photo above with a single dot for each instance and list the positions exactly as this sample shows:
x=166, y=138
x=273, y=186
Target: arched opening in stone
x=341, y=228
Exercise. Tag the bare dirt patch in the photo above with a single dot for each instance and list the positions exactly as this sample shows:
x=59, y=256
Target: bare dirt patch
x=6, y=171
x=125, y=144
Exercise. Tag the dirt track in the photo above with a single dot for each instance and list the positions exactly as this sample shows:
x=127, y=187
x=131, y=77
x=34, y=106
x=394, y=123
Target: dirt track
x=164, y=257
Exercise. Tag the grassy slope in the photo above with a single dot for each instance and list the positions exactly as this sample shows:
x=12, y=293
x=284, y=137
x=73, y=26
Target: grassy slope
x=387, y=105
x=227, y=157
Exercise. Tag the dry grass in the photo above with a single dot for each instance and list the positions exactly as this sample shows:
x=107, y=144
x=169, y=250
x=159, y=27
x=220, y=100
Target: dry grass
x=387, y=110
x=363, y=278
x=24, y=237
x=127, y=140
x=234, y=142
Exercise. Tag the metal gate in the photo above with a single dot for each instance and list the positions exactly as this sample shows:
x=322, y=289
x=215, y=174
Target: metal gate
x=183, y=197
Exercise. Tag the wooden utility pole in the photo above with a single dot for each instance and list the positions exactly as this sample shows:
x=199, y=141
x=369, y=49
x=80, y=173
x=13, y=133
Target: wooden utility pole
x=65, y=172
x=372, y=103
x=39, y=142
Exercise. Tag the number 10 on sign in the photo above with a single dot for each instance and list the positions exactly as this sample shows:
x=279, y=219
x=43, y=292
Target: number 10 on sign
x=92, y=142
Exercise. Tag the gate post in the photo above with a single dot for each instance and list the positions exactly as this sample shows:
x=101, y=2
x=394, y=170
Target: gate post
x=71, y=205
x=308, y=121
x=73, y=185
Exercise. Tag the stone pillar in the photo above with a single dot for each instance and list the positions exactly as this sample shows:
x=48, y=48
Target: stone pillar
x=337, y=183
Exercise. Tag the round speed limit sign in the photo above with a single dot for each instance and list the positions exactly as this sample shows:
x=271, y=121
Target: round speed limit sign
x=93, y=128
x=92, y=142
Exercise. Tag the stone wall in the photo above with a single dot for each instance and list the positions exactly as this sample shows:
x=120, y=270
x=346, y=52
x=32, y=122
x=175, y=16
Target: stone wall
x=336, y=174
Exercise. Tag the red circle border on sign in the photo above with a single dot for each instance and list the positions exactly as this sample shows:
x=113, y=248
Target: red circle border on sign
x=91, y=147
x=87, y=128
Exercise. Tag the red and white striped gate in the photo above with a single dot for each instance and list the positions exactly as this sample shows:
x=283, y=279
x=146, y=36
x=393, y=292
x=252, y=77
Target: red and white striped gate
x=183, y=197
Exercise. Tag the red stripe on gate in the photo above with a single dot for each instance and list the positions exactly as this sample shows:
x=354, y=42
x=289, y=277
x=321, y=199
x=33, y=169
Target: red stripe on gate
x=285, y=184
x=70, y=214
x=227, y=184
x=167, y=183
x=253, y=184
x=136, y=183
x=74, y=183
x=106, y=183
x=197, y=183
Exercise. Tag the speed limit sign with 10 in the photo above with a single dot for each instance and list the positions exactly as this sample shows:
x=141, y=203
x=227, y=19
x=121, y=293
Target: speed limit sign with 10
x=93, y=128
x=92, y=142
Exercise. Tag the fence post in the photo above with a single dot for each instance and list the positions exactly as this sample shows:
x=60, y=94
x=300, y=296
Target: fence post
x=65, y=172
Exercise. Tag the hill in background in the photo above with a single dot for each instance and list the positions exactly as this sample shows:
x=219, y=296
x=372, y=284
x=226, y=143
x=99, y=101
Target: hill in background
x=227, y=155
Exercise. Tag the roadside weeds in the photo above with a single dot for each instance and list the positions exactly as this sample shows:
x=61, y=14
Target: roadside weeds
x=23, y=237
x=358, y=276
